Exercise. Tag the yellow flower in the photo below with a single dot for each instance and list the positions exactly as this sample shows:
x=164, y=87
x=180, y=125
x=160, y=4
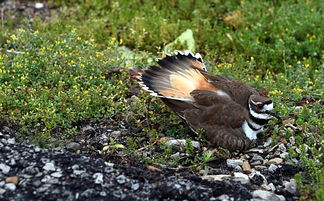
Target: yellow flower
x=13, y=37
x=275, y=92
x=299, y=90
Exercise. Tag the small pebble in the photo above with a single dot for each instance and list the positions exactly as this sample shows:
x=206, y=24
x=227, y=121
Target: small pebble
x=115, y=133
x=10, y=186
x=275, y=161
x=74, y=146
x=56, y=174
x=135, y=187
x=13, y=180
x=246, y=167
x=272, y=168
x=260, y=167
x=265, y=195
x=219, y=177
x=98, y=178
x=4, y=168
x=49, y=167
x=290, y=186
x=39, y=5
x=121, y=179
x=243, y=178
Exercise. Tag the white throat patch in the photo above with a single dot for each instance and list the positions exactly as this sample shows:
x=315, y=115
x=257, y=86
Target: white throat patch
x=249, y=133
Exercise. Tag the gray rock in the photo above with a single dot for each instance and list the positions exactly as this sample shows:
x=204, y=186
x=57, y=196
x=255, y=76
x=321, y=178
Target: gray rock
x=281, y=197
x=75, y=167
x=11, y=141
x=2, y=191
x=272, y=168
x=115, y=133
x=256, y=163
x=49, y=167
x=284, y=155
x=273, y=188
x=73, y=146
x=255, y=150
x=56, y=174
x=258, y=178
x=243, y=178
x=87, y=193
x=10, y=186
x=268, y=142
x=181, y=143
x=121, y=179
x=292, y=140
x=260, y=167
x=78, y=172
x=37, y=183
x=265, y=195
x=291, y=186
x=219, y=177
x=135, y=187
x=4, y=168
x=224, y=197
x=257, y=157
x=281, y=148
x=176, y=155
x=238, y=169
x=234, y=163
x=98, y=178
x=88, y=130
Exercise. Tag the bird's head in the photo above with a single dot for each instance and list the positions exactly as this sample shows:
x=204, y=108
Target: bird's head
x=261, y=108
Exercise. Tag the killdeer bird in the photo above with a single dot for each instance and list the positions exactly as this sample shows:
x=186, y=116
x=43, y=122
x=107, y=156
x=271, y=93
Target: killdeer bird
x=230, y=113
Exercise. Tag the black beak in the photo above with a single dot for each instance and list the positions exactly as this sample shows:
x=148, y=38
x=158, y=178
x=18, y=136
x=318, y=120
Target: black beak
x=272, y=113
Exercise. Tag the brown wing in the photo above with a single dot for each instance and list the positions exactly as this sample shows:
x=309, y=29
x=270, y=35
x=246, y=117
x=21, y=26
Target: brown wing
x=220, y=118
x=237, y=90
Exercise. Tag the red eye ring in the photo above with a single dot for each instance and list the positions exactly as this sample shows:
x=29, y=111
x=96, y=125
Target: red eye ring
x=260, y=106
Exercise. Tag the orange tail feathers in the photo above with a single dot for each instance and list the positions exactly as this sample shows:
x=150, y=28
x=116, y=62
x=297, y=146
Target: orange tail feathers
x=176, y=77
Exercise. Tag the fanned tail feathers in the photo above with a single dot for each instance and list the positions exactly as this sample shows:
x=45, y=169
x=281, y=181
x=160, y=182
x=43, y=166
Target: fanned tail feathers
x=176, y=77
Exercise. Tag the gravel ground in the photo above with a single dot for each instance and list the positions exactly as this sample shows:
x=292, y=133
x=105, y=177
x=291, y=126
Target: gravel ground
x=28, y=172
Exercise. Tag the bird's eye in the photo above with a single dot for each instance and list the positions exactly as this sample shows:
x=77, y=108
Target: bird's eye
x=259, y=106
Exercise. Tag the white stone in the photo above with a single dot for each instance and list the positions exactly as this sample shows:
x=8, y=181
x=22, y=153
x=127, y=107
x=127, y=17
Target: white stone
x=272, y=167
x=273, y=188
x=268, y=142
x=4, y=168
x=219, y=177
x=234, y=163
x=115, y=133
x=49, y=167
x=10, y=186
x=265, y=195
x=39, y=5
x=284, y=155
x=11, y=141
x=261, y=175
x=223, y=197
x=290, y=186
x=181, y=143
x=56, y=174
x=98, y=178
x=243, y=178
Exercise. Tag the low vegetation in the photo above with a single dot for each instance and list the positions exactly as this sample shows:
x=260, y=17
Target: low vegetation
x=58, y=73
